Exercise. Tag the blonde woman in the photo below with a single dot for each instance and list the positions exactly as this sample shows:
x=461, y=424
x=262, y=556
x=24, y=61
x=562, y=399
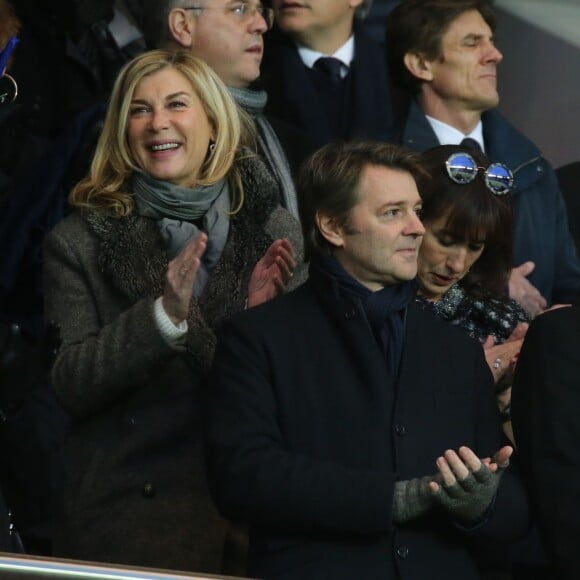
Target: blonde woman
x=176, y=227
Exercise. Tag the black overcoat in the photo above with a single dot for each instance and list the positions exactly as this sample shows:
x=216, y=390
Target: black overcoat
x=307, y=434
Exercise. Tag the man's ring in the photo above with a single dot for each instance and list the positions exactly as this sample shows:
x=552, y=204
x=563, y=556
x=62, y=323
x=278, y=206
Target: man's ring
x=497, y=363
x=184, y=270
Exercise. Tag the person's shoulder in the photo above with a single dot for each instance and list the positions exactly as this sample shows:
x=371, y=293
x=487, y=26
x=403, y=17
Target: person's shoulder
x=496, y=307
x=258, y=183
x=74, y=223
x=88, y=227
x=276, y=315
x=427, y=325
x=504, y=138
x=548, y=322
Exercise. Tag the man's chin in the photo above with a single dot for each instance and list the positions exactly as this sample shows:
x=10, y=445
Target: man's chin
x=488, y=102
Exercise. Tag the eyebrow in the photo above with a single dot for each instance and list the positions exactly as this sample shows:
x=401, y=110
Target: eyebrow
x=178, y=94
x=400, y=204
x=167, y=98
x=473, y=37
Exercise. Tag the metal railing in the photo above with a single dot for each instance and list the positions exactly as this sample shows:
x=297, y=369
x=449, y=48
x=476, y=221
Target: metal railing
x=14, y=567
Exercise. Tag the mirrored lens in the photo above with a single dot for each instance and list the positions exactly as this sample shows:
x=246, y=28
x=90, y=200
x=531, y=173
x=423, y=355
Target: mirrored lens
x=499, y=178
x=461, y=167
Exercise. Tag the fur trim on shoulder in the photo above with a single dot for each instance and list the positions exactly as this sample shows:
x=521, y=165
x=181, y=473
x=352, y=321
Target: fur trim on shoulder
x=261, y=192
x=132, y=254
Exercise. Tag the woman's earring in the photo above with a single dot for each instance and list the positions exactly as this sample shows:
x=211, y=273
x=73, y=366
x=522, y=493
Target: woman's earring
x=211, y=147
x=9, y=93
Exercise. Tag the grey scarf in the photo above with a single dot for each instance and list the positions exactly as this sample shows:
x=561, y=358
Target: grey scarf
x=177, y=208
x=253, y=102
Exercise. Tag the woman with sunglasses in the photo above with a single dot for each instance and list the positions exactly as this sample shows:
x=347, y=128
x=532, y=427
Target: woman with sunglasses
x=465, y=257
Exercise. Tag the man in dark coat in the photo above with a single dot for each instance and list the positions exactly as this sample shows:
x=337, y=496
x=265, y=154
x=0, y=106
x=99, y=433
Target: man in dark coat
x=443, y=53
x=545, y=402
x=324, y=73
x=354, y=432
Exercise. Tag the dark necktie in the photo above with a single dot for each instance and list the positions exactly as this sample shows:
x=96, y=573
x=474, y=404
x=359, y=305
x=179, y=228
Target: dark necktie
x=470, y=143
x=330, y=66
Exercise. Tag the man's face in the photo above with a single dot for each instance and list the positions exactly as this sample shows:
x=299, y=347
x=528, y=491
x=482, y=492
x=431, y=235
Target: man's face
x=307, y=21
x=463, y=77
x=379, y=245
x=231, y=44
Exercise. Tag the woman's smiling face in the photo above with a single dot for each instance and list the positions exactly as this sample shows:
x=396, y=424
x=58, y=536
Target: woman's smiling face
x=168, y=130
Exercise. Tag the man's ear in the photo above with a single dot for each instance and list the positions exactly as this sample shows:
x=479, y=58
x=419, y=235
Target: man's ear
x=181, y=27
x=418, y=66
x=330, y=230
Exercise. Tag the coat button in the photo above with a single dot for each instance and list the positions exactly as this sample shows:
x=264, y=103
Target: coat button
x=400, y=430
x=402, y=551
x=148, y=490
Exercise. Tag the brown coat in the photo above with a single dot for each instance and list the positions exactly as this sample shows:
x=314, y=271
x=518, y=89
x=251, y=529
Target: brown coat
x=136, y=490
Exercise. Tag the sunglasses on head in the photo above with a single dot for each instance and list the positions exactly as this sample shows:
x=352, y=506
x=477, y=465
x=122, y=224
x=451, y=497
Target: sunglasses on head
x=462, y=169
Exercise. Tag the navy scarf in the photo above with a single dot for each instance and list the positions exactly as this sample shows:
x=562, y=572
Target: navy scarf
x=385, y=309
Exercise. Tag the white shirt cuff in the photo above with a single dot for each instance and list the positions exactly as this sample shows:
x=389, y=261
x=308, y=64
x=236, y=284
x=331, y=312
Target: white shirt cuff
x=171, y=333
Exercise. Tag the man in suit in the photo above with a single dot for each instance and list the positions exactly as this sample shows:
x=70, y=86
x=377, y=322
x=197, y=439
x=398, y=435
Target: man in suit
x=443, y=53
x=545, y=401
x=229, y=37
x=356, y=433
x=324, y=73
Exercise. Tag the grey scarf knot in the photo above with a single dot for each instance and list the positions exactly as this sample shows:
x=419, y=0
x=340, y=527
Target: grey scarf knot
x=181, y=213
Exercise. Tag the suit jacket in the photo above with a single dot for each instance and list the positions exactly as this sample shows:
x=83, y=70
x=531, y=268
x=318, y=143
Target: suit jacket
x=293, y=97
x=136, y=484
x=307, y=434
x=538, y=203
x=545, y=403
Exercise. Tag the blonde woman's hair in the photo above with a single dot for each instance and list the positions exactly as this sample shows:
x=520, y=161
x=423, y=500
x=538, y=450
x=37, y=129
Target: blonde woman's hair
x=106, y=185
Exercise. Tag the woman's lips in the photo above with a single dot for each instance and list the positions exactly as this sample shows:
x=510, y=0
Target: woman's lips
x=443, y=280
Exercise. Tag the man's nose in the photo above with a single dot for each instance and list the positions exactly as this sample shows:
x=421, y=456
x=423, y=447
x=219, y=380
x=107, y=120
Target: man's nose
x=258, y=20
x=415, y=226
x=494, y=54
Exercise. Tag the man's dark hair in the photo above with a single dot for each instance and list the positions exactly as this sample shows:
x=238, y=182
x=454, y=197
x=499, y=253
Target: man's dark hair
x=155, y=25
x=328, y=183
x=418, y=26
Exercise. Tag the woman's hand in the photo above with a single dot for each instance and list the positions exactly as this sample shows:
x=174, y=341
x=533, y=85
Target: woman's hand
x=271, y=273
x=180, y=277
x=502, y=358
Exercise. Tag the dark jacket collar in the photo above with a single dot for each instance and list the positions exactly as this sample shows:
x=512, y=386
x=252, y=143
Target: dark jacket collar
x=503, y=142
x=370, y=101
